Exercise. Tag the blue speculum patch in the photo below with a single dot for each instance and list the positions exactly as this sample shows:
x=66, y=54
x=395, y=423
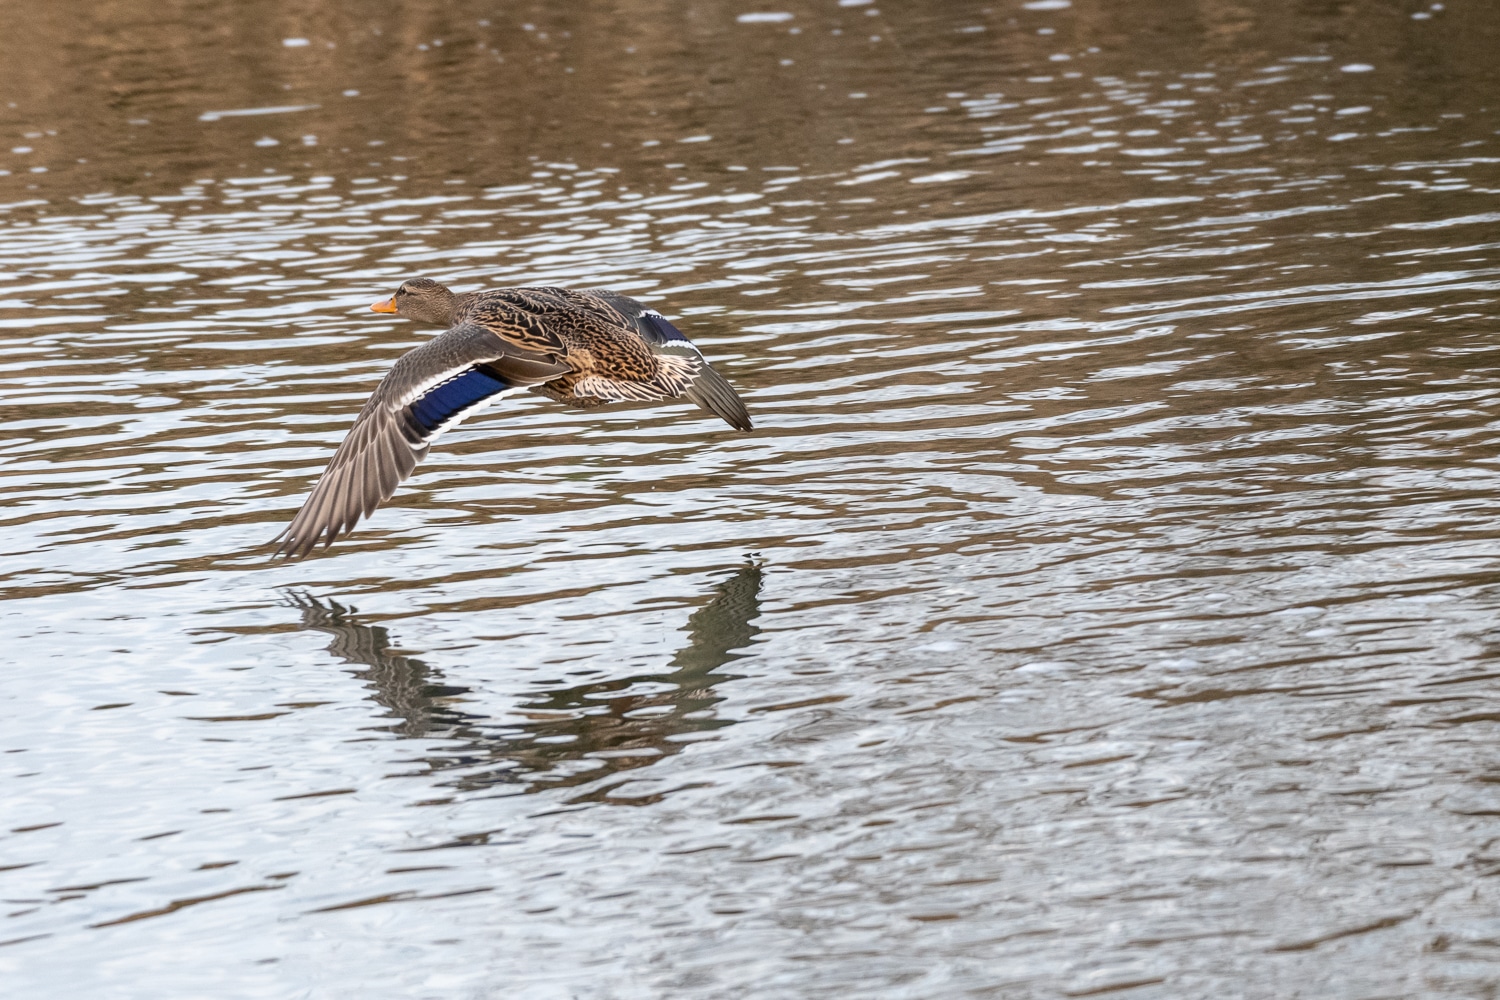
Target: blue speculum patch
x=664, y=330
x=442, y=402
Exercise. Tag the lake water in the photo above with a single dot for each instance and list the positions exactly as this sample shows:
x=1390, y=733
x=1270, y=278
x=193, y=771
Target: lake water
x=1107, y=602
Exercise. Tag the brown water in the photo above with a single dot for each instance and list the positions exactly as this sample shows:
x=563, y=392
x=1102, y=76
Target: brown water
x=1107, y=600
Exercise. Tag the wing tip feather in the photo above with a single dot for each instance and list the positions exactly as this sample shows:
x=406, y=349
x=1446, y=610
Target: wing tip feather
x=712, y=392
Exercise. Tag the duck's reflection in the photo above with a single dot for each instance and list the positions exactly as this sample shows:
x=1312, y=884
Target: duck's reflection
x=572, y=734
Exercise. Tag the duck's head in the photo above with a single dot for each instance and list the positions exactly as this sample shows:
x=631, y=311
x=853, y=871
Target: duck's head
x=422, y=300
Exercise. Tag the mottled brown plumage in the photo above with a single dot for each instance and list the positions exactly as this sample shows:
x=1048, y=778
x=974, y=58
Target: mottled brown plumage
x=581, y=348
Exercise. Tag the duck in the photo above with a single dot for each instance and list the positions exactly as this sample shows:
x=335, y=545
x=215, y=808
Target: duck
x=583, y=349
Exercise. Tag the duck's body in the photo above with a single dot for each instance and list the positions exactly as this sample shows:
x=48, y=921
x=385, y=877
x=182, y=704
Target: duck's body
x=582, y=348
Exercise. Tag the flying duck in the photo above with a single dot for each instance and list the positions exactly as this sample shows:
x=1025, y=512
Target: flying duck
x=581, y=348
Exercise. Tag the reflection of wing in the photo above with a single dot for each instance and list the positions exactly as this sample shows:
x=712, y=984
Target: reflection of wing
x=568, y=725
x=722, y=625
x=410, y=689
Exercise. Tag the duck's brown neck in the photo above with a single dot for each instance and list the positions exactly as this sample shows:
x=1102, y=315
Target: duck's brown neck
x=456, y=304
x=452, y=305
x=435, y=308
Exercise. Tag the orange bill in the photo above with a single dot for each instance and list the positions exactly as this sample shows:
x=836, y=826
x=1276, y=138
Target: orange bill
x=385, y=305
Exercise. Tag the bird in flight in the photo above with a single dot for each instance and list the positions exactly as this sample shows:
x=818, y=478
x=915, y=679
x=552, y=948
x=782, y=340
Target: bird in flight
x=581, y=348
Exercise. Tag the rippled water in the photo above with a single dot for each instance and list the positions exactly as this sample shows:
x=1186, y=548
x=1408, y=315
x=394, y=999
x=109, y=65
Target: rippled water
x=1106, y=601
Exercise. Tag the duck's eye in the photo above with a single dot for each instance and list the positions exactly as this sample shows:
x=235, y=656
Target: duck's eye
x=403, y=290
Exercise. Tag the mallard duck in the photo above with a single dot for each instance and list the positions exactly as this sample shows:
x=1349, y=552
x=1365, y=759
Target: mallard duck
x=581, y=348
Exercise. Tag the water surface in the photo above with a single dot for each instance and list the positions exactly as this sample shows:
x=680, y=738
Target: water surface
x=1105, y=603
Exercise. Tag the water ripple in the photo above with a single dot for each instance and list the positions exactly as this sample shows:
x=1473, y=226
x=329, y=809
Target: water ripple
x=1110, y=572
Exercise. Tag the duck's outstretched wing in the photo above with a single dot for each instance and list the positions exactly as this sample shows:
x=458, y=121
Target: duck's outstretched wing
x=429, y=390
x=707, y=388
